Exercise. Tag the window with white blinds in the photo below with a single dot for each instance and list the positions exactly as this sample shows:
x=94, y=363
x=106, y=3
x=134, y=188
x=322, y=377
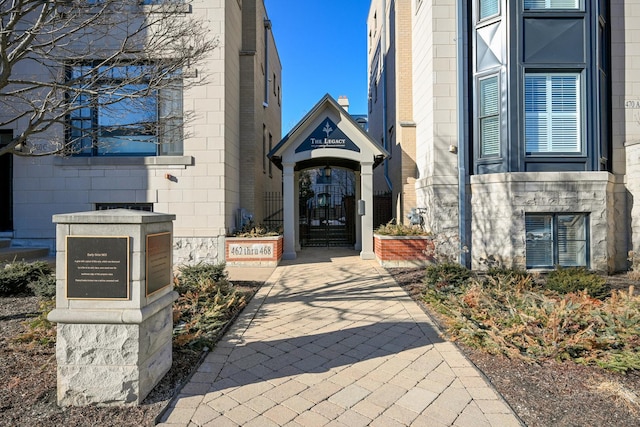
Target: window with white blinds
x=556, y=239
x=488, y=8
x=489, y=116
x=551, y=4
x=552, y=113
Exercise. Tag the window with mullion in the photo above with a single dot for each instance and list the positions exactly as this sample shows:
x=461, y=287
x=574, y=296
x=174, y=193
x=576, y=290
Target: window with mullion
x=552, y=4
x=489, y=116
x=116, y=112
x=552, y=113
x=556, y=239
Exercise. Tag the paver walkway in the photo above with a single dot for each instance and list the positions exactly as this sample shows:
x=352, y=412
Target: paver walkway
x=333, y=340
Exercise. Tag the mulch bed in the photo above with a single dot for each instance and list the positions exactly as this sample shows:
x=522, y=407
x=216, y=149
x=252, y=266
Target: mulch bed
x=549, y=394
x=562, y=394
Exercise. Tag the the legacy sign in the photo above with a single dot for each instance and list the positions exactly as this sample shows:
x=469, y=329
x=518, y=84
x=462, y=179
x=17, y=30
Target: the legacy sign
x=327, y=135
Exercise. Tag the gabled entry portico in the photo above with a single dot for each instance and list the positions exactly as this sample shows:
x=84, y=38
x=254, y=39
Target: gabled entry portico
x=328, y=137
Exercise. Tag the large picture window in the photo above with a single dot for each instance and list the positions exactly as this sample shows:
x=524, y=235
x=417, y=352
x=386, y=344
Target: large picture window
x=489, y=116
x=556, y=239
x=115, y=112
x=552, y=113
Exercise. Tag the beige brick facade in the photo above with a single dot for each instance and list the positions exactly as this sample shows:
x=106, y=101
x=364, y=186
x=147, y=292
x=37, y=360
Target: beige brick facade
x=496, y=203
x=221, y=169
x=390, y=52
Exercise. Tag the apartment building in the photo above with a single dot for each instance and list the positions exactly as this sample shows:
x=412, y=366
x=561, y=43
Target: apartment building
x=526, y=125
x=213, y=166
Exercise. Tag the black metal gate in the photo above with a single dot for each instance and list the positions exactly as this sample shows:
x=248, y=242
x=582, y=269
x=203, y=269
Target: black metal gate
x=328, y=218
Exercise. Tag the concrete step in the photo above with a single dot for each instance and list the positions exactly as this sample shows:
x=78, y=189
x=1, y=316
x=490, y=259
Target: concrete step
x=8, y=254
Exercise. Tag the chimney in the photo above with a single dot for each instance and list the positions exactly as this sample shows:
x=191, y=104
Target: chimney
x=343, y=101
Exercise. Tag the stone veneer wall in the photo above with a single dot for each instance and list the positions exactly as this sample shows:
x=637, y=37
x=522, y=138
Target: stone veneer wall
x=128, y=359
x=125, y=343
x=191, y=250
x=499, y=203
x=633, y=186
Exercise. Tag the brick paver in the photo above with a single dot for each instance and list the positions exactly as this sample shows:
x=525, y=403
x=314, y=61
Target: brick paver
x=333, y=340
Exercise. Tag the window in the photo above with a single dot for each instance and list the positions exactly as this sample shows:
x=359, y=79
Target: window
x=267, y=28
x=552, y=113
x=270, y=148
x=488, y=8
x=147, y=207
x=556, y=239
x=264, y=148
x=551, y=4
x=114, y=112
x=489, y=116
x=149, y=2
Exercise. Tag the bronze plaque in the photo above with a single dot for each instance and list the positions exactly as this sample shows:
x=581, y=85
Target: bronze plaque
x=97, y=267
x=159, y=268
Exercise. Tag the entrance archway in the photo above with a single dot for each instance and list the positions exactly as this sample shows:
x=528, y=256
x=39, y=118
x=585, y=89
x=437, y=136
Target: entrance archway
x=327, y=207
x=327, y=137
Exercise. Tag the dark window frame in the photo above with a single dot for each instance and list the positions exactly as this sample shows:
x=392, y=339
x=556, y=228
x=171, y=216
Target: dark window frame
x=555, y=241
x=82, y=125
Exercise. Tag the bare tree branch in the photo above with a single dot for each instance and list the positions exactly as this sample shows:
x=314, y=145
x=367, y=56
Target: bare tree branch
x=60, y=57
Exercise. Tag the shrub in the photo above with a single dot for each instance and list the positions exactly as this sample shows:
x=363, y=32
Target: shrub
x=500, y=275
x=39, y=330
x=44, y=286
x=447, y=277
x=207, y=303
x=16, y=276
x=573, y=279
x=502, y=315
x=634, y=267
x=392, y=229
x=191, y=277
x=252, y=230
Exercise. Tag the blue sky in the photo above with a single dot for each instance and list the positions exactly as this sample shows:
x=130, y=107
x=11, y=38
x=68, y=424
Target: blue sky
x=323, y=49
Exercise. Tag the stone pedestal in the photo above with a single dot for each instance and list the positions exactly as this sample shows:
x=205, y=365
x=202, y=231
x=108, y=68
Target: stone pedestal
x=114, y=300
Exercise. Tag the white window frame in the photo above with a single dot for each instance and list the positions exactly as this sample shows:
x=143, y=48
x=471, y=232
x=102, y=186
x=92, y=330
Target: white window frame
x=553, y=128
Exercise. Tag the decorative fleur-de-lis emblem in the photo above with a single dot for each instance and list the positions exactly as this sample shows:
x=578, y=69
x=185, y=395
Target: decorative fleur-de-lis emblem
x=327, y=129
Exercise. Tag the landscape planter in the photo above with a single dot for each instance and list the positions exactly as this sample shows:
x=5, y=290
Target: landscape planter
x=254, y=251
x=403, y=251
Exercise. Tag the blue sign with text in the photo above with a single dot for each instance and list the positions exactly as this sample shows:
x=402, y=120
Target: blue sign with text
x=327, y=135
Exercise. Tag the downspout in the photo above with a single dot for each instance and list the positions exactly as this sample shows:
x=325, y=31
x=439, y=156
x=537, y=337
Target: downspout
x=463, y=146
x=383, y=52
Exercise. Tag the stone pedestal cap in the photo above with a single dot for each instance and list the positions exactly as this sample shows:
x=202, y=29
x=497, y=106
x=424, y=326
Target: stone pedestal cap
x=113, y=216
